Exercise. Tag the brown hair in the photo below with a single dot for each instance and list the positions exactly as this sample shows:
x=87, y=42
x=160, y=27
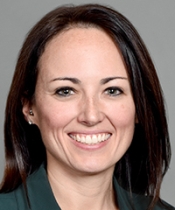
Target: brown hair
x=143, y=166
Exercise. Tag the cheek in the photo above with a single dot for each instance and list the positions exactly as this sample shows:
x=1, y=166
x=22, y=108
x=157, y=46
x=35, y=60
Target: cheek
x=51, y=121
x=123, y=115
x=53, y=115
x=124, y=124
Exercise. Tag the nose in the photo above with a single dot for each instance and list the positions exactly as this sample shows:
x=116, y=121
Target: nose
x=90, y=112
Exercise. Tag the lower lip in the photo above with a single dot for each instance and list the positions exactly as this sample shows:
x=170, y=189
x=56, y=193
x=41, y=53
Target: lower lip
x=90, y=147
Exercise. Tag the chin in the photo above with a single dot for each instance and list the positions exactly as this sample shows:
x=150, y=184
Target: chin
x=93, y=168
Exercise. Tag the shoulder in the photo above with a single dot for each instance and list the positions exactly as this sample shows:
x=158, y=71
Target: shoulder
x=126, y=200
x=162, y=205
x=37, y=195
x=8, y=201
x=141, y=201
x=14, y=200
x=17, y=199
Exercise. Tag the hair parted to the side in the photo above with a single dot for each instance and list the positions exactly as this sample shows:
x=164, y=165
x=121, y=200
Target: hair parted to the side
x=143, y=166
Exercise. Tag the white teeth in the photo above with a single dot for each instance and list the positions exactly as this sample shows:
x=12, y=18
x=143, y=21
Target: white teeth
x=78, y=138
x=90, y=139
x=94, y=139
x=99, y=138
x=83, y=139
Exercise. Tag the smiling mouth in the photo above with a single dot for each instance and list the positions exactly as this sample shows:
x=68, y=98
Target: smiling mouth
x=90, y=139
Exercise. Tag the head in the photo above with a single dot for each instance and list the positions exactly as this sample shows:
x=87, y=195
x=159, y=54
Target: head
x=148, y=156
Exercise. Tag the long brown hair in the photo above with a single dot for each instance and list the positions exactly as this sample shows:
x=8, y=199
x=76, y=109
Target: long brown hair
x=143, y=166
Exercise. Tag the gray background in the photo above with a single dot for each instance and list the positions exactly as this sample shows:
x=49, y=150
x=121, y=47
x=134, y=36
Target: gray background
x=155, y=21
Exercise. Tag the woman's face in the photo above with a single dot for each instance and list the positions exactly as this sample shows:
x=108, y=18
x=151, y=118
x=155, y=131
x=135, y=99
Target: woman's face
x=83, y=102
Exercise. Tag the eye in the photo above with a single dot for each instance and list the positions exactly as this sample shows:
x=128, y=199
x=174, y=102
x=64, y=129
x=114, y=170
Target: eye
x=65, y=91
x=113, y=91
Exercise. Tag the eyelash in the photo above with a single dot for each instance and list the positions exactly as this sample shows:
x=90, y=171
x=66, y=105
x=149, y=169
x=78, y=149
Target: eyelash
x=70, y=91
x=115, y=91
x=65, y=91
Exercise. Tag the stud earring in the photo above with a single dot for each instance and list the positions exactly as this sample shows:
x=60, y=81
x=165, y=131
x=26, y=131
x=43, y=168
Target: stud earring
x=31, y=112
x=30, y=122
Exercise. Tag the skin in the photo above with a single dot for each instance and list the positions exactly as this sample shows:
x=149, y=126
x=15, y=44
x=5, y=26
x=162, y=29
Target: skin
x=96, y=99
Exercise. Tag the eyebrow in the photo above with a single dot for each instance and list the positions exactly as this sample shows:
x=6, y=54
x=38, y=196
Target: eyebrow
x=108, y=79
x=77, y=81
x=73, y=80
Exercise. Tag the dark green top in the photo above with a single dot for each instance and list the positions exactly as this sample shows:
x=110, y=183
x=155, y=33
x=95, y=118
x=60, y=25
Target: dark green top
x=42, y=198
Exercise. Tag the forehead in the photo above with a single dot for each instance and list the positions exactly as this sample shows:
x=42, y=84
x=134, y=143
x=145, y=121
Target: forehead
x=80, y=35
x=81, y=46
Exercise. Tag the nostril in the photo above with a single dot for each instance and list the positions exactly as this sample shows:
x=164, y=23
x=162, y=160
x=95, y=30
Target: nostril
x=91, y=118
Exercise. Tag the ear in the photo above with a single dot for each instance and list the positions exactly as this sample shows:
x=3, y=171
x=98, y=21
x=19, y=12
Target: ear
x=27, y=111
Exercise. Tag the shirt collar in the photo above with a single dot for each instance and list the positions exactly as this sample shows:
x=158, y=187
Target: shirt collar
x=39, y=191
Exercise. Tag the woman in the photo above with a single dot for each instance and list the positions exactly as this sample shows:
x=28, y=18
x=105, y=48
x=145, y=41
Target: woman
x=85, y=124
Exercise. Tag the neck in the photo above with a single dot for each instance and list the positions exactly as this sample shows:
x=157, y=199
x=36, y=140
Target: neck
x=73, y=190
